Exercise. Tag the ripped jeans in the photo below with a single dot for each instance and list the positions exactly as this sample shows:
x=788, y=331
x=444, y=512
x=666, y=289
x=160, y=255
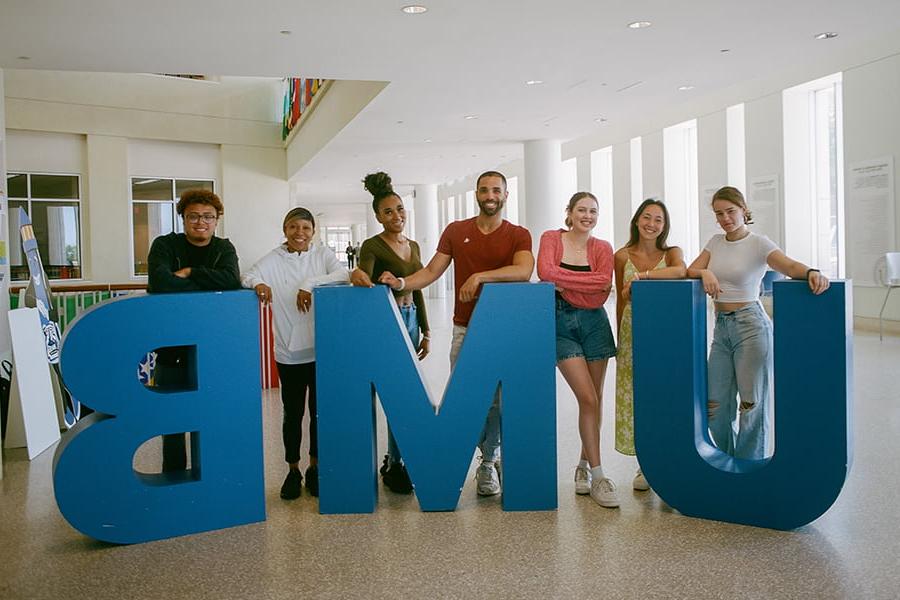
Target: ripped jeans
x=740, y=364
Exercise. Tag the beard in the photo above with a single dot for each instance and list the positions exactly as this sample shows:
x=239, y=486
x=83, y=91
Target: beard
x=490, y=212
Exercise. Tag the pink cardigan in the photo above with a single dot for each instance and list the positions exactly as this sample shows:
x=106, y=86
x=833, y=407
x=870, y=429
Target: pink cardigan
x=583, y=289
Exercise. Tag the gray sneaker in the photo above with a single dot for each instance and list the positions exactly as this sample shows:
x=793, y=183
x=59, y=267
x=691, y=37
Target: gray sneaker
x=487, y=479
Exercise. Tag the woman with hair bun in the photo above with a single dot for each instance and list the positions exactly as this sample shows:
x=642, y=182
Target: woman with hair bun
x=392, y=251
x=581, y=268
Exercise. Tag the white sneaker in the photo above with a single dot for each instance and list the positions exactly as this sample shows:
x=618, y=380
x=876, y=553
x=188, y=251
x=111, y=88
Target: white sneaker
x=582, y=480
x=487, y=480
x=640, y=482
x=603, y=491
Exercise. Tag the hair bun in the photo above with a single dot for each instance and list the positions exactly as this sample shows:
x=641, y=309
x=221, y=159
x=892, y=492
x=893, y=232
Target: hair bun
x=378, y=184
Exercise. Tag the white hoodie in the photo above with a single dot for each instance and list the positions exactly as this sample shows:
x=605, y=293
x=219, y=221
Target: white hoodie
x=287, y=273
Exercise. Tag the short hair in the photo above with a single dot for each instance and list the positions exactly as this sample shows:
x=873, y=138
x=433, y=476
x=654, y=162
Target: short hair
x=661, y=239
x=575, y=199
x=199, y=196
x=298, y=213
x=734, y=195
x=491, y=174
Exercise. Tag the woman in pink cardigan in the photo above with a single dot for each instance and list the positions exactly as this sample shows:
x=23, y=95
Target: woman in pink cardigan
x=581, y=268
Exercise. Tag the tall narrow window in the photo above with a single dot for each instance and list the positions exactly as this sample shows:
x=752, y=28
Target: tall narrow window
x=53, y=202
x=602, y=186
x=681, y=187
x=813, y=174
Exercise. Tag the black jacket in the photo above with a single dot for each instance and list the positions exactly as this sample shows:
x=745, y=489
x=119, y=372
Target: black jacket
x=169, y=253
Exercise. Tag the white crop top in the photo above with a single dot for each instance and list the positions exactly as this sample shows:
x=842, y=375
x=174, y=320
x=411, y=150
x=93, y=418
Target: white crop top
x=739, y=266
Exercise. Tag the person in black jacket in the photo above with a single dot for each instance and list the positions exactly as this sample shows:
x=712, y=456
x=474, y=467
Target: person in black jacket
x=195, y=260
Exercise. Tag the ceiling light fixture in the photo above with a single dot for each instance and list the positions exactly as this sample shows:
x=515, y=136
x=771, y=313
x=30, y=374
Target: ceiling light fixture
x=470, y=117
x=600, y=120
x=639, y=25
x=826, y=35
x=534, y=82
x=685, y=88
x=414, y=9
x=23, y=57
x=723, y=50
x=285, y=32
x=428, y=141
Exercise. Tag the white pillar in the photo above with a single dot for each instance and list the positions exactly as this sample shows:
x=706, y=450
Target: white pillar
x=373, y=227
x=426, y=209
x=544, y=208
x=356, y=233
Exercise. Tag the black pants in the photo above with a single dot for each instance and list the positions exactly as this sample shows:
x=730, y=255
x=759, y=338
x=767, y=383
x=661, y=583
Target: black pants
x=296, y=380
x=171, y=371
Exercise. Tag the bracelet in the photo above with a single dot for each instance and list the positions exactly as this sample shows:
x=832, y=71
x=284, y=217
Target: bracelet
x=402, y=284
x=808, y=271
x=425, y=336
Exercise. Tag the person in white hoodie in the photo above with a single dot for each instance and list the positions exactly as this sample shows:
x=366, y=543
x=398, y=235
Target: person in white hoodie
x=286, y=277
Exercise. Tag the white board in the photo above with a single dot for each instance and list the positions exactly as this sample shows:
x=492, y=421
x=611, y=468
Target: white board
x=36, y=409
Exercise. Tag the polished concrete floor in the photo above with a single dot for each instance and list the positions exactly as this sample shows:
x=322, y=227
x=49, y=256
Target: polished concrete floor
x=642, y=550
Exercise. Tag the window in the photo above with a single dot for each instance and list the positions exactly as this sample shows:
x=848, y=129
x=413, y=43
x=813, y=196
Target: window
x=637, y=173
x=153, y=212
x=337, y=239
x=602, y=186
x=681, y=187
x=813, y=172
x=53, y=202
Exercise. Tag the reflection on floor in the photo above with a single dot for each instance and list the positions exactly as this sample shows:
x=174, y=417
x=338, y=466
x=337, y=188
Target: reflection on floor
x=643, y=549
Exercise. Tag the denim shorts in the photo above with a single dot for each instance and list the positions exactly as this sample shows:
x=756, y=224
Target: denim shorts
x=582, y=332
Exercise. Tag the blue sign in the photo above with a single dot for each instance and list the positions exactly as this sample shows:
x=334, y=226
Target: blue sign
x=813, y=406
x=361, y=350
x=97, y=488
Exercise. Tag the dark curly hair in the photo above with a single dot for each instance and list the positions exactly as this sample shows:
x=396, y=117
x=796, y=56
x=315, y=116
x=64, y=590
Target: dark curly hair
x=199, y=196
x=379, y=185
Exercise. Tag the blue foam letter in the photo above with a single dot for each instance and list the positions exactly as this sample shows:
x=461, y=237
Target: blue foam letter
x=813, y=381
x=97, y=489
x=361, y=348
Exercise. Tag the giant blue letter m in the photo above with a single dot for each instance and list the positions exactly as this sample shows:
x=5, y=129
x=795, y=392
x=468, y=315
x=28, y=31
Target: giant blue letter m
x=361, y=350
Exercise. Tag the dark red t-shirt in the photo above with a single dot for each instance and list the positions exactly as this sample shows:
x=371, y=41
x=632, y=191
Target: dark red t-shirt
x=475, y=252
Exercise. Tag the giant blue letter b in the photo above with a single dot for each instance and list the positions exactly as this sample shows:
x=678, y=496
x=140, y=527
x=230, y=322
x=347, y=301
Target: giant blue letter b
x=97, y=489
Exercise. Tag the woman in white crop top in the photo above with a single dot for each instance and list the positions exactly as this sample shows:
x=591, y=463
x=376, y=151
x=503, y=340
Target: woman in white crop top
x=731, y=267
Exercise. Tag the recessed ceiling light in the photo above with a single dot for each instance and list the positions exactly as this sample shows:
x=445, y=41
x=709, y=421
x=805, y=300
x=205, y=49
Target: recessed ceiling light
x=285, y=32
x=24, y=57
x=534, y=82
x=600, y=120
x=725, y=50
x=639, y=24
x=685, y=88
x=414, y=9
x=470, y=117
x=399, y=122
x=428, y=141
x=826, y=35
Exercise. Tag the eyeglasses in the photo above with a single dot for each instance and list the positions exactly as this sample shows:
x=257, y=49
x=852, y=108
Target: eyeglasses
x=194, y=218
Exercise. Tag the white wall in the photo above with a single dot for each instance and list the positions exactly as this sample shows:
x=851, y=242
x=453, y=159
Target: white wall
x=255, y=194
x=43, y=152
x=181, y=160
x=4, y=235
x=712, y=169
x=871, y=130
x=765, y=159
x=106, y=214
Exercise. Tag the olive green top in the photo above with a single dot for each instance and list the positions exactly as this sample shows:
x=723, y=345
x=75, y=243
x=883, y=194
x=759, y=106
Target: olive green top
x=376, y=257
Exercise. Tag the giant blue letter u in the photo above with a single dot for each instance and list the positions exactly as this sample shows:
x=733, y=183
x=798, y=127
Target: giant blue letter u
x=813, y=366
x=96, y=486
x=361, y=349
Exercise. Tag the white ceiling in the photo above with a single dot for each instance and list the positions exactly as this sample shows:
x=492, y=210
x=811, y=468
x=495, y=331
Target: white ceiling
x=462, y=57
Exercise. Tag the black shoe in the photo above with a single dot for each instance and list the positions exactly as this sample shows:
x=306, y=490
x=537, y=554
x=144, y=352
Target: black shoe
x=396, y=479
x=290, y=489
x=312, y=480
x=384, y=466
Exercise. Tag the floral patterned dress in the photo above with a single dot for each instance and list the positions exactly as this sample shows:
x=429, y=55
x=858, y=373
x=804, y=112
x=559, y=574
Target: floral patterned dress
x=625, y=372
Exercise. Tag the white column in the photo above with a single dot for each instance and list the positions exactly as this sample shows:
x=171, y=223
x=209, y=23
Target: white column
x=373, y=227
x=356, y=233
x=426, y=209
x=544, y=207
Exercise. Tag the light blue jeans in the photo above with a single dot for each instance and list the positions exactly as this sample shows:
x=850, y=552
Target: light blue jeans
x=740, y=363
x=490, y=435
x=411, y=321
